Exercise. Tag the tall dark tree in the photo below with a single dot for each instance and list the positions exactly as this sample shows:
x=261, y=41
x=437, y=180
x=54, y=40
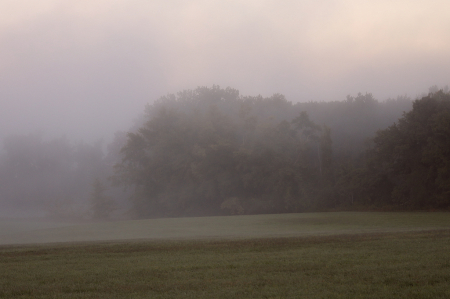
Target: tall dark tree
x=413, y=155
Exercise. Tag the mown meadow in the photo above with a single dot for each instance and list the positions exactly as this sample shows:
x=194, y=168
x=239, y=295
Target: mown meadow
x=323, y=255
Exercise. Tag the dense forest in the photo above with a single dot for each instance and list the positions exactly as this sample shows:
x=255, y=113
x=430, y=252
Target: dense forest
x=211, y=151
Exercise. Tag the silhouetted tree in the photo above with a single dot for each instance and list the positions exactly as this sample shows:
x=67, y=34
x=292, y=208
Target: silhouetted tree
x=413, y=155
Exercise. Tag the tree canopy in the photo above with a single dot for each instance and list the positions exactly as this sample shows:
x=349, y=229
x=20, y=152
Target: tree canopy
x=413, y=155
x=203, y=149
x=212, y=151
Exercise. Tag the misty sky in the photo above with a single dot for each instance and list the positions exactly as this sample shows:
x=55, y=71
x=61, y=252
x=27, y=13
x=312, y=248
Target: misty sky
x=86, y=68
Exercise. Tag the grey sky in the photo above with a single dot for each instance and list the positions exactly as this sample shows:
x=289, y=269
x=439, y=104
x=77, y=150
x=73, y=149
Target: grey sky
x=86, y=68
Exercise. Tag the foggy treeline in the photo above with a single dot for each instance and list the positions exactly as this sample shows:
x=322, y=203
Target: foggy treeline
x=211, y=151
x=53, y=178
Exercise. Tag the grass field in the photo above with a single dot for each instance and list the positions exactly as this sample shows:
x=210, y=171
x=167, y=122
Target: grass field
x=231, y=227
x=329, y=255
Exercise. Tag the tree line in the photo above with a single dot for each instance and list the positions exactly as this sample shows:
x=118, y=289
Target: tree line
x=211, y=151
x=56, y=178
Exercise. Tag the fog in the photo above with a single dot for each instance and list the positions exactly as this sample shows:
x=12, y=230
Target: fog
x=75, y=76
x=86, y=69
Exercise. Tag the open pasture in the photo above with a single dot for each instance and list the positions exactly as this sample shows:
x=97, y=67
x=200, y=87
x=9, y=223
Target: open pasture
x=330, y=255
x=228, y=227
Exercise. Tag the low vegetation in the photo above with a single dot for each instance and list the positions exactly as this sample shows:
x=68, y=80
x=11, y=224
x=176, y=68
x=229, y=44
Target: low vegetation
x=334, y=255
x=223, y=227
x=392, y=265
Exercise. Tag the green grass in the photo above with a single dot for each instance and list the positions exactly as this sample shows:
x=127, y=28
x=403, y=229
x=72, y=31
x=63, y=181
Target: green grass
x=331, y=255
x=255, y=226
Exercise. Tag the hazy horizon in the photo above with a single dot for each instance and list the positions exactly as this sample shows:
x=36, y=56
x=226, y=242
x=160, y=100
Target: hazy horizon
x=86, y=69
